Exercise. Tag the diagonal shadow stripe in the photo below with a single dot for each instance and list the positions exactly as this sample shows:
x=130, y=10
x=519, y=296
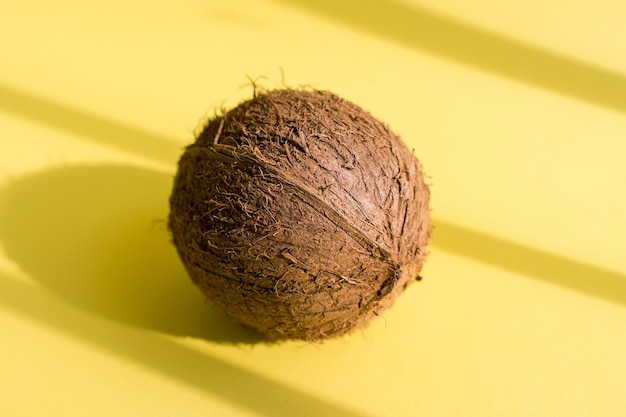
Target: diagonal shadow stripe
x=89, y=126
x=436, y=34
x=200, y=371
x=530, y=262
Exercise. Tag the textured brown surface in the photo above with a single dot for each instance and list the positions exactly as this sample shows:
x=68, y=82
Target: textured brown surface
x=300, y=214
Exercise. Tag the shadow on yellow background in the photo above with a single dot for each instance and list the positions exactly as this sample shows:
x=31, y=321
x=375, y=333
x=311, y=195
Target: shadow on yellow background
x=96, y=236
x=530, y=262
x=89, y=126
x=436, y=34
x=199, y=371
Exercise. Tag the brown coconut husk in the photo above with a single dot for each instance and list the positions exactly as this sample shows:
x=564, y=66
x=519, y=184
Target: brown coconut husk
x=300, y=214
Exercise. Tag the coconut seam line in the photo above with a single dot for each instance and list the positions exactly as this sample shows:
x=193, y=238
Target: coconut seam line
x=300, y=214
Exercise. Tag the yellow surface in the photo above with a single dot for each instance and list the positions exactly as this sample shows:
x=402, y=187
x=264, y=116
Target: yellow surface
x=516, y=109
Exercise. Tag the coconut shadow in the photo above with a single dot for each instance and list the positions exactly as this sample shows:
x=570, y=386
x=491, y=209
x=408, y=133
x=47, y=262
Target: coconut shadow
x=436, y=34
x=96, y=237
x=200, y=371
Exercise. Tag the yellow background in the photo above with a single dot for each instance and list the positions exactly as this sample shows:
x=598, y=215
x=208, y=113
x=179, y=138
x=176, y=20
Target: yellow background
x=516, y=110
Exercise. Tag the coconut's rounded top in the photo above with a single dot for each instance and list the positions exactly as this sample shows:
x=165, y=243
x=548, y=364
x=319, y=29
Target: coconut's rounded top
x=340, y=154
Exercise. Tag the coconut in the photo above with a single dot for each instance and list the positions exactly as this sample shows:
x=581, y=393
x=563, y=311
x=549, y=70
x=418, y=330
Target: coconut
x=300, y=214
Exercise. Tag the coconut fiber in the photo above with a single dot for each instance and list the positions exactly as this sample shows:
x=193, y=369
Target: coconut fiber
x=300, y=214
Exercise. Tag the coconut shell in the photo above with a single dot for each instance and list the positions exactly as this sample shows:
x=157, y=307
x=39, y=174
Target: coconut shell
x=300, y=214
